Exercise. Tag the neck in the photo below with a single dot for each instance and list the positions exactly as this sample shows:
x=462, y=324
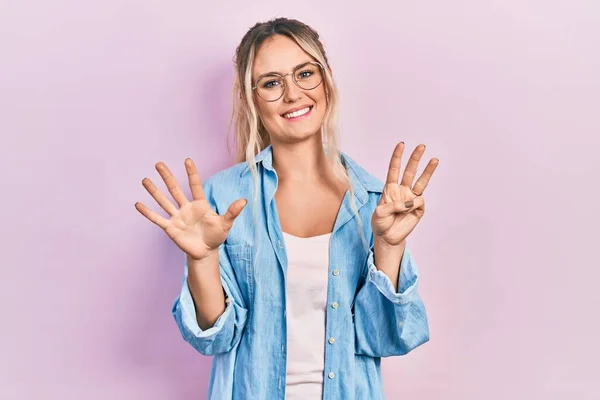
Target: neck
x=304, y=161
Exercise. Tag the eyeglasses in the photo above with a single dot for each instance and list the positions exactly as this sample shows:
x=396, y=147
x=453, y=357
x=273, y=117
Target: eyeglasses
x=306, y=76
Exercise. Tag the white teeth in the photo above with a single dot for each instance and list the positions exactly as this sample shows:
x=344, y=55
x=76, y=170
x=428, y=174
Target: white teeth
x=297, y=113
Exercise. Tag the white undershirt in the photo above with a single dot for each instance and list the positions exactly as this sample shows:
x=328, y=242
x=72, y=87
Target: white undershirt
x=306, y=301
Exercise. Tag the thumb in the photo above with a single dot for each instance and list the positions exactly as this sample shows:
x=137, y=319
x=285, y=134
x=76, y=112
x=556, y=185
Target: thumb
x=232, y=213
x=395, y=207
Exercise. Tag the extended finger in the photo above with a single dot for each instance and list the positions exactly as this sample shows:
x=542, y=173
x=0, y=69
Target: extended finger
x=232, y=212
x=395, y=163
x=194, y=179
x=151, y=215
x=171, y=183
x=423, y=181
x=160, y=198
x=411, y=166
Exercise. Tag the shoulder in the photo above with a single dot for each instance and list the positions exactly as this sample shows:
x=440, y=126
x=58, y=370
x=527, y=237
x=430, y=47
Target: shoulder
x=227, y=185
x=361, y=177
x=230, y=175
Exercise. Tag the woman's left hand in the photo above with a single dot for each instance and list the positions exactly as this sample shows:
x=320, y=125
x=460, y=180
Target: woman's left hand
x=401, y=206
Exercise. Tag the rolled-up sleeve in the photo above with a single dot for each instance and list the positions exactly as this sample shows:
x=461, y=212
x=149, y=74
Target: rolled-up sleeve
x=226, y=331
x=389, y=322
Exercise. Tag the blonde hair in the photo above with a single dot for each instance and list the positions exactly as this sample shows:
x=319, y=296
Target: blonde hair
x=250, y=135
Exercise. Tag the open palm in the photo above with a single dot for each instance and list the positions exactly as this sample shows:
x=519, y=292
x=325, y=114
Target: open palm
x=194, y=226
x=402, y=206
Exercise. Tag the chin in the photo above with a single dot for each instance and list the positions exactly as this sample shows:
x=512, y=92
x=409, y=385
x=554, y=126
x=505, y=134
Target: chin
x=304, y=133
x=294, y=137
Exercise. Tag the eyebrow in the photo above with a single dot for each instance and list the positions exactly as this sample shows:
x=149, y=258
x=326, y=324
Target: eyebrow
x=279, y=73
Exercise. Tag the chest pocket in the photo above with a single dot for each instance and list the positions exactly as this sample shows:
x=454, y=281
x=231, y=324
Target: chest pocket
x=240, y=256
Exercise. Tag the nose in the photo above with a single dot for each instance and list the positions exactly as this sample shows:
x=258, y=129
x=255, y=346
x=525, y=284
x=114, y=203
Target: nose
x=291, y=91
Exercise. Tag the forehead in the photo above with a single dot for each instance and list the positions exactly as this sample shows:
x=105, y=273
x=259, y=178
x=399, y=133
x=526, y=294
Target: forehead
x=278, y=54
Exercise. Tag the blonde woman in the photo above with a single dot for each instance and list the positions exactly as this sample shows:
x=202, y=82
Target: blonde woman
x=299, y=294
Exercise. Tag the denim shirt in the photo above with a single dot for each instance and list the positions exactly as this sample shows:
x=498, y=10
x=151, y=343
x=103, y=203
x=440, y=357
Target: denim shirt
x=365, y=315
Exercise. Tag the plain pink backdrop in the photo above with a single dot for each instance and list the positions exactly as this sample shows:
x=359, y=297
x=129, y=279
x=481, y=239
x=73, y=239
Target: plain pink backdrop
x=505, y=93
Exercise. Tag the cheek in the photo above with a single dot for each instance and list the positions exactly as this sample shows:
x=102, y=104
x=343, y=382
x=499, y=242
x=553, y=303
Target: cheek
x=321, y=97
x=267, y=112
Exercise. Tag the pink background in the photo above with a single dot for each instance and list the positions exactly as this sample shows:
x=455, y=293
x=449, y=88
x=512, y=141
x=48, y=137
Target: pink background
x=505, y=93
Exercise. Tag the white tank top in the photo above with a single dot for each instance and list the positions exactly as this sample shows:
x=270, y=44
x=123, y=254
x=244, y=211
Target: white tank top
x=306, y=302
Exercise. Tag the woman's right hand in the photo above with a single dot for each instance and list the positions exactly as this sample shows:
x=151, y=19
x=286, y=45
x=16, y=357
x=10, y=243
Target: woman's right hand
x=194, y=226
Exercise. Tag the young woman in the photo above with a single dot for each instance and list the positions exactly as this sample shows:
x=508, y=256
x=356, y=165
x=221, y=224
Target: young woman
x=313, y=283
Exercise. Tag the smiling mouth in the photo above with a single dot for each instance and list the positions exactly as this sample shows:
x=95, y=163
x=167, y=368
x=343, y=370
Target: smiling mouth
x=297, y=113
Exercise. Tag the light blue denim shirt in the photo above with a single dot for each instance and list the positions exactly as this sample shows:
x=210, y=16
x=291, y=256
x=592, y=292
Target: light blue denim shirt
x=365, y=315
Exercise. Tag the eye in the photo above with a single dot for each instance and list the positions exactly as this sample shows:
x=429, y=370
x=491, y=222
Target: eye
x=305, y=74
x=270, y=84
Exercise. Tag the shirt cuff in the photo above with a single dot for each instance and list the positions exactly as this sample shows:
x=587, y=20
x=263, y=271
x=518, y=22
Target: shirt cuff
x=407, y=281
x=188, y=314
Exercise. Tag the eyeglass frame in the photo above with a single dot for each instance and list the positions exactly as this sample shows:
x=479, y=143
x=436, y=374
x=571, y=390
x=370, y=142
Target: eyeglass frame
x=293, y=79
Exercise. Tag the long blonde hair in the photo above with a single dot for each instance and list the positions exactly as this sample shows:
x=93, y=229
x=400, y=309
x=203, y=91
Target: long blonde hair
x=250, y=135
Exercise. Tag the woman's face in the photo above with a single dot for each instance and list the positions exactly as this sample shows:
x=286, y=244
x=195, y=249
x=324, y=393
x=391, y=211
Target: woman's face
x=281, y=55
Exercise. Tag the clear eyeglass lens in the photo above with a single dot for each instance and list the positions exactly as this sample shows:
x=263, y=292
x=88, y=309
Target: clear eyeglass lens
x=307, y=77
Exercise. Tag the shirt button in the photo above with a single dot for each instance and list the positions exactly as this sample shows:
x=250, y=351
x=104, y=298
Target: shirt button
x=336, y=272
x=334, y=304
x=331, y=340
x=280, y=244
x=331, y=375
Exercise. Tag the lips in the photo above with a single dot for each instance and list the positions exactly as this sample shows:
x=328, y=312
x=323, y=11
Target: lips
x=297, y=112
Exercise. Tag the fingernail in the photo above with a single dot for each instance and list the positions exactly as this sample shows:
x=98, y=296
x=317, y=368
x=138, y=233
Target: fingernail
x=409, y=204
